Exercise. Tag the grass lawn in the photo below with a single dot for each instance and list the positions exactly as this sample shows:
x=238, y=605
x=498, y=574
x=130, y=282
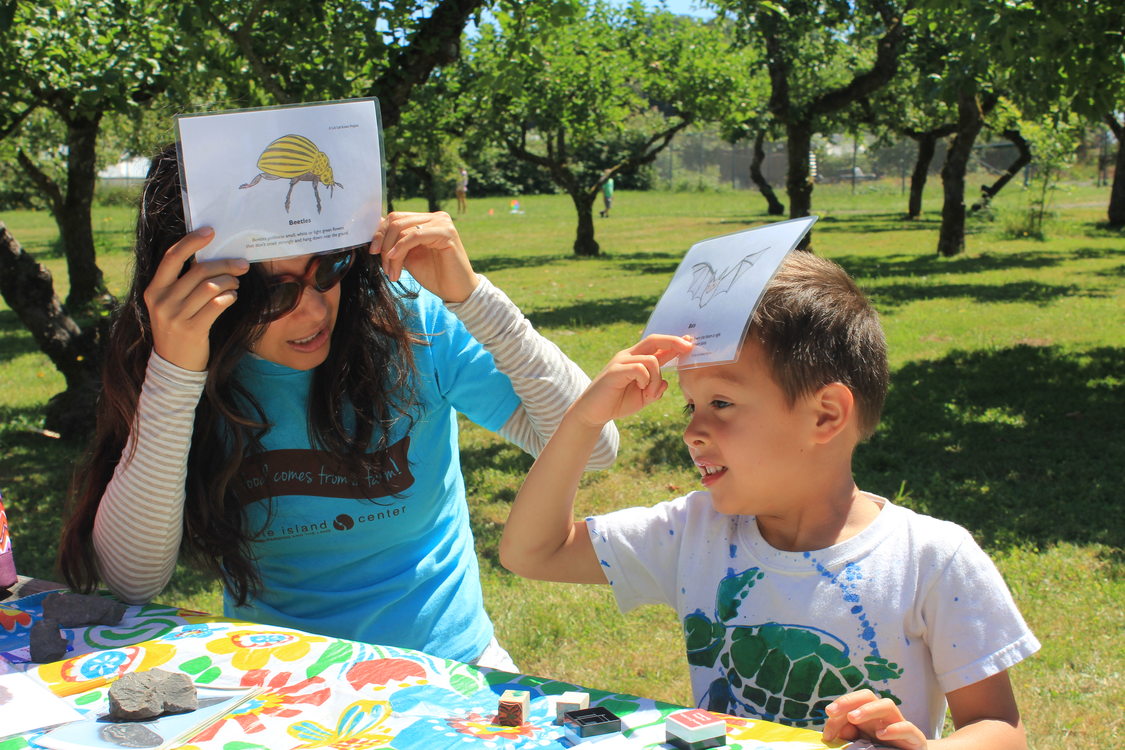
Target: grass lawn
x=1006, y=415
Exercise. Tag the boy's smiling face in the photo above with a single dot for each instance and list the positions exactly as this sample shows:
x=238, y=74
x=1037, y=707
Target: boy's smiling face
x=746, y=440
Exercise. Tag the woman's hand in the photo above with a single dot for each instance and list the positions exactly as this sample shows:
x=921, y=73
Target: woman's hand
x=428, y=246
x=182, y=309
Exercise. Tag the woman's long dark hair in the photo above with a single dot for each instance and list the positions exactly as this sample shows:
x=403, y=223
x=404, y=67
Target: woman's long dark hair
x=368, y=372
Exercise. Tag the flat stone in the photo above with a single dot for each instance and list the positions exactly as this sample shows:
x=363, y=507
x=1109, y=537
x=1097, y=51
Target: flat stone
x=146, y=695
x=77, y=610
x=47, y=641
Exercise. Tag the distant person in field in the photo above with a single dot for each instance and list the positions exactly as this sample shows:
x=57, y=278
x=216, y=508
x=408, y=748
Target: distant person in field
x=462, y=191
x=804, y=600
x=607, y=197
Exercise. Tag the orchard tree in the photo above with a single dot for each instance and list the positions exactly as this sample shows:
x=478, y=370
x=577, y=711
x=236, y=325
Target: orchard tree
x=66, y=66
x=1071, y=51
x=80, y=61
x=600, y=93
x=1038, y=53
x=427, y=140
x=821, y=56
x=288, y=51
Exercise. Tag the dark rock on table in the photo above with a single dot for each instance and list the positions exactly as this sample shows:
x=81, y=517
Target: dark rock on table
x=77, y=610
x=47, y=642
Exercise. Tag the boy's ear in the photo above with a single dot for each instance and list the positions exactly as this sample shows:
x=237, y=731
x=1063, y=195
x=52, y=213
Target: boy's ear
x=834, y=408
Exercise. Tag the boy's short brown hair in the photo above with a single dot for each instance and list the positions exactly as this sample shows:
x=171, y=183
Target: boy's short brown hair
x=816, y=328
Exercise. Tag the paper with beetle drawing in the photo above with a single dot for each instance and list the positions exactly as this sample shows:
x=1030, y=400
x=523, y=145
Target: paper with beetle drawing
x=282, y=181
x=713, y=294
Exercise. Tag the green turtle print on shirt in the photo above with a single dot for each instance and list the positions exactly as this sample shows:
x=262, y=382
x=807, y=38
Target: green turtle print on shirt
x=784, y=673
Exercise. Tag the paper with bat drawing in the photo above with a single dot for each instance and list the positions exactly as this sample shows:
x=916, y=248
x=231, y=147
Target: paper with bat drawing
x=276, y=182
x=717, y=285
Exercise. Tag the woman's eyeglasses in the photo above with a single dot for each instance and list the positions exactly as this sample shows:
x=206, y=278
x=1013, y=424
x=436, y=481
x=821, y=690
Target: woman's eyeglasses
x=283, y=293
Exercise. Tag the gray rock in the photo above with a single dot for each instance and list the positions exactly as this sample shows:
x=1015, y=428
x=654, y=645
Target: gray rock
x=129, y=735
x=77, y=610
x=145, y=695
x=47, y=641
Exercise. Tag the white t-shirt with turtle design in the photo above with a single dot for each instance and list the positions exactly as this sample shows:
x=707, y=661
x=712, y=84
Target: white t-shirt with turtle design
x=911, y=607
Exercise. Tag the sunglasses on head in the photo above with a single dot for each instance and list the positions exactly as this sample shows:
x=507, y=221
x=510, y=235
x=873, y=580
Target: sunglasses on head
x=283, y=293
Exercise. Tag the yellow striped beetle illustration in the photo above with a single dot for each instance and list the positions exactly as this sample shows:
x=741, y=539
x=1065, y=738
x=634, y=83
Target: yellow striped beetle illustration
x=297, y=159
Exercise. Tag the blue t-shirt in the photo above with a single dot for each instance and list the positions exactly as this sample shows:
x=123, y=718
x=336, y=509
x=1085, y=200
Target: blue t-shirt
x=388, y=559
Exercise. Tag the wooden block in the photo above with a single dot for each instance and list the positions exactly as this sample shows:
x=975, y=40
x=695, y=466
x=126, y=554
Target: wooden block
x=513, y=708
x=570, y=701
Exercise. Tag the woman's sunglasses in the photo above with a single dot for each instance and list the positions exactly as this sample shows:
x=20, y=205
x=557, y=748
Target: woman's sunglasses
x=283, y=293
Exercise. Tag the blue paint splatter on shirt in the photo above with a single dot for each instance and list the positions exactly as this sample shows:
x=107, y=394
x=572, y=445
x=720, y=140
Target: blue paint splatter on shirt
x=847, y=581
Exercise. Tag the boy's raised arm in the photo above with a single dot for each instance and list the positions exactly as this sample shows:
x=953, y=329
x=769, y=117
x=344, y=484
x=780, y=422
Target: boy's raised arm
x=541, y=539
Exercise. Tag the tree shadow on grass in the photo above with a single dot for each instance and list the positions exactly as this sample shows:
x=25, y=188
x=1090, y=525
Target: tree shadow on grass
x=1022, y=446
x=15, y=345
x=662, y=264
x=872, y=223
x=477, y=462
x=889, y=296
x=902, y=264
x=493, y=263
x=596, y=312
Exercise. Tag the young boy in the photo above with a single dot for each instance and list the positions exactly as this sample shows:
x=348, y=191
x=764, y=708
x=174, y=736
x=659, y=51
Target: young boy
x=804, y=600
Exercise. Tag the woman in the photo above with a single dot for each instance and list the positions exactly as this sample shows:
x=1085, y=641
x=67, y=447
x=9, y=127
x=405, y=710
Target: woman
x=293, y=425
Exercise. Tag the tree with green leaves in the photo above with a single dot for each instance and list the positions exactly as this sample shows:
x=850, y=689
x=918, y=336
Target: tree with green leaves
x=598, y=94
x=1038, y=53
x=425, y=145
x=821, y=56
x=81, y=61
x=66, y=66
x=287, y=51
x=1070, y=52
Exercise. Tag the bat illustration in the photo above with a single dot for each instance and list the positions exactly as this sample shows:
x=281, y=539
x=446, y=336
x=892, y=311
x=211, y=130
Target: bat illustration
x=705, y=283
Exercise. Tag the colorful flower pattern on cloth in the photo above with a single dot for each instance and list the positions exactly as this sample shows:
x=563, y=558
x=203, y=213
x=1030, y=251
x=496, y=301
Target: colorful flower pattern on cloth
x=253, y=649
x=476, y=725
x=10, y=618
x=62, y=676
x=357, y=729
x=322, y=692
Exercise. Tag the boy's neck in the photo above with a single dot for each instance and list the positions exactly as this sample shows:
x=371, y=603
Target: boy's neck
x=822, y=517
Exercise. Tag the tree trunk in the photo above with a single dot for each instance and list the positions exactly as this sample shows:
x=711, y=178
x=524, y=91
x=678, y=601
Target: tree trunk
x=773, y=206
x=584, y=242
x=951, y=240
x=29, y=291
x=927, y=144
x=433, y=200
x=1117, y=192
x=1023, y=158
x=798, y=181
x=72, y=209
x=429, y=187
x=76, y=222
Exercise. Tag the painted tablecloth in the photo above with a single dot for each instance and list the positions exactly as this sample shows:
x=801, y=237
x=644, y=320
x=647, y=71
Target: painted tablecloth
x=323, y=692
